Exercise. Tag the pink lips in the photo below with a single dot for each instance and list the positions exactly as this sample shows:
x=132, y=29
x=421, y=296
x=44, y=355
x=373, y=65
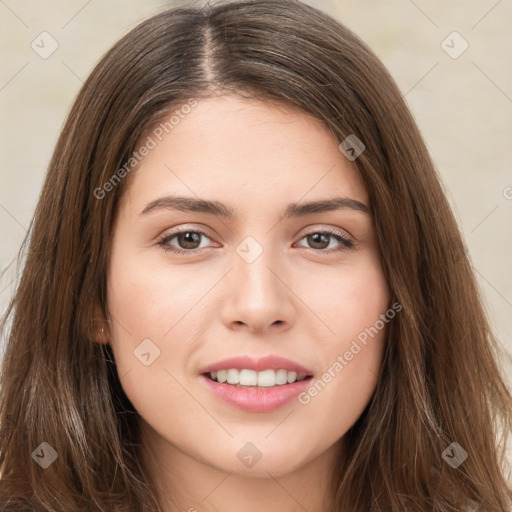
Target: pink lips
x=258, y=365
x=256, y=399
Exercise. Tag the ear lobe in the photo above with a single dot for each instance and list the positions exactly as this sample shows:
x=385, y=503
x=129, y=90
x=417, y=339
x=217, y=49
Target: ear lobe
x=101, y=326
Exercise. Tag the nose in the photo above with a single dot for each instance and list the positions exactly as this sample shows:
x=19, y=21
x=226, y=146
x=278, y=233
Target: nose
x=258, y=296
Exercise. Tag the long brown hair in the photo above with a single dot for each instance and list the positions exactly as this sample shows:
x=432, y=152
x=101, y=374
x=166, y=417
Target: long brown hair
x=441, y=381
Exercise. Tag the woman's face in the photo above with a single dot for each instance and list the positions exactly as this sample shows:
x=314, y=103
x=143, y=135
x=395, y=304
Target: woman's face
x=292, y=291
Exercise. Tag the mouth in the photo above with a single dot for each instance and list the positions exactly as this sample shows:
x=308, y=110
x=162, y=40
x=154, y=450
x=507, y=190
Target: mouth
x=256, y=385
x=244, y=378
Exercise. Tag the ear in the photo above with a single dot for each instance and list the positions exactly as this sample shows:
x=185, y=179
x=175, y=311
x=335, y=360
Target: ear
x=101, y=326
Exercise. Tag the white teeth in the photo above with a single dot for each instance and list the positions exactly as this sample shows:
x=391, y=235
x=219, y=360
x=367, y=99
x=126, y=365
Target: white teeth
x=233, y=377
x=264, y=379
x=281, y=377
x=248, y=378
x=292, y=377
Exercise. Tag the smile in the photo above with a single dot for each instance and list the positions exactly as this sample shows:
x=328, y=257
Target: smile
x=263, y=379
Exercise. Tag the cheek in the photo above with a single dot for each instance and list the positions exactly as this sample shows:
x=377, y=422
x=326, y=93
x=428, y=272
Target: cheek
x=148, y=310
x=356, y=309
x=348, y=300
x=150, y=299
x=150, y=330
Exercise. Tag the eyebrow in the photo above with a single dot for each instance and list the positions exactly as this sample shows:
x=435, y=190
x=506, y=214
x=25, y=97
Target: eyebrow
x=192, y=204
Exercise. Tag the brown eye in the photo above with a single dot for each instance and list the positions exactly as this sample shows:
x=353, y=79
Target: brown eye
x=320, y=241
x=187, y=240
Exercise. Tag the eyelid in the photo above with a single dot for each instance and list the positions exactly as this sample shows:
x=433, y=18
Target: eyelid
x=315, y=228
x=182, y=229
x=347, y=242
x=185, y=227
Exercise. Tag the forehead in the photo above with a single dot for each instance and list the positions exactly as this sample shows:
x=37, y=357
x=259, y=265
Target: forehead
x=244, y=151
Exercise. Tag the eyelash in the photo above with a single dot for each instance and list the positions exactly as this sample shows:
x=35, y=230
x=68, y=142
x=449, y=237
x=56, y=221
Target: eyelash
x=345, y=242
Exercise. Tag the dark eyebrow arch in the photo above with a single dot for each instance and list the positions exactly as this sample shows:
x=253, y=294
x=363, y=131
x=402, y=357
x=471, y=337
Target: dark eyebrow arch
x=192, y=204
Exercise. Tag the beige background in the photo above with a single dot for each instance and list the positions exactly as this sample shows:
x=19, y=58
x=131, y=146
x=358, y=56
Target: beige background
x=462, y=105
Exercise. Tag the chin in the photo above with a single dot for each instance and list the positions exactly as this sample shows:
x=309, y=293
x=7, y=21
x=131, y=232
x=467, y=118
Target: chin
x=275, y=462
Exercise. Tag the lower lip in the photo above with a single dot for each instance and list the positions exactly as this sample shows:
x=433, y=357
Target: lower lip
x=252, y=399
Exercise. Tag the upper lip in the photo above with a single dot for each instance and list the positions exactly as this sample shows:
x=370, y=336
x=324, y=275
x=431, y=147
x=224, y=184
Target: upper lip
x=257, y=364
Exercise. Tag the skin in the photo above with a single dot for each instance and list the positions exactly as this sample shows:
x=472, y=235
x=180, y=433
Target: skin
x=210, y=304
